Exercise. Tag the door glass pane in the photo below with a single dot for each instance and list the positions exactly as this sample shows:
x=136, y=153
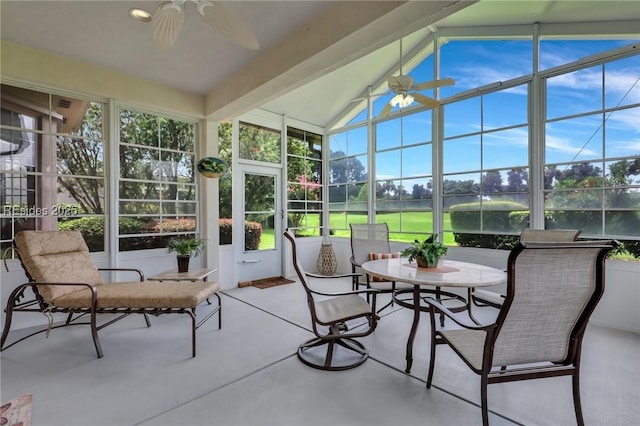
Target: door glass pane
x=259, y=212
x=259, y=143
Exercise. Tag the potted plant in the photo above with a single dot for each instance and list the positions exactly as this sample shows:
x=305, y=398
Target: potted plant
x=427, y=253
x=184, y=249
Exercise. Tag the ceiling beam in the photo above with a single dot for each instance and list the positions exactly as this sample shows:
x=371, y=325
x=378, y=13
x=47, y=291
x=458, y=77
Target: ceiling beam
x=344, y=32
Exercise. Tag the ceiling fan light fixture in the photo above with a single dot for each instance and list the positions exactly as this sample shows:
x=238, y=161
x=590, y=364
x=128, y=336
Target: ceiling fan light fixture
x=402, y=100
x=140, y=14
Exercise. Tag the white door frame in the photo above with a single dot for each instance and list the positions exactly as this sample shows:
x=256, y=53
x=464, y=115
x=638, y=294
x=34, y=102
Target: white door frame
x=256, y=264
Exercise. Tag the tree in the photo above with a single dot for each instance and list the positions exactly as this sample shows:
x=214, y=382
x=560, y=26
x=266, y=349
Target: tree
x=225, y=182
x=142, y=160
x=344, y=169
x=81, y=156
x=450, y=187
x=518, y=180
x=492, y=182
x=418, y=191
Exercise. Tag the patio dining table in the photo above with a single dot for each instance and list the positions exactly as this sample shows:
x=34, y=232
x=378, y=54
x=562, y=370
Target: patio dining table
x=449, y=273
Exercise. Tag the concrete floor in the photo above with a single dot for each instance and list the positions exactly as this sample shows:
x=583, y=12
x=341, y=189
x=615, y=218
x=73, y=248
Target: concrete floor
x=248, y=374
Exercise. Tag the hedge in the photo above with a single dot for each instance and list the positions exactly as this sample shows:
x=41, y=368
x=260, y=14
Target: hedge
x=252, y=233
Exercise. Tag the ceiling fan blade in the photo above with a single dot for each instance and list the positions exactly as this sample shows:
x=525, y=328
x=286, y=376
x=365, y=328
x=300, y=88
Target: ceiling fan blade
x=228, y=24
x=425, y=100
x=434, y=83
x=386, y=110
x=167, y=24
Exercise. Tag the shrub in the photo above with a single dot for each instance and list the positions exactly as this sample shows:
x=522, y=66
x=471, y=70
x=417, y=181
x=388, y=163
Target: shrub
x=496, y=216
x=91, y=228
x=632, y=247
x=226, y=235
x=174, y=225
x=128, y=225
x=253, y=233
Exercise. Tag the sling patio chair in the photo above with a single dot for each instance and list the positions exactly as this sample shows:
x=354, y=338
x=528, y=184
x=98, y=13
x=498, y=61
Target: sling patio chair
x=491, y=298
x=533, y=336
x=330, y=316
x=64, y=279
x=370, y=241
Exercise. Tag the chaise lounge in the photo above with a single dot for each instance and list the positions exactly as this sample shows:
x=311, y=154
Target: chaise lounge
x=64, y=279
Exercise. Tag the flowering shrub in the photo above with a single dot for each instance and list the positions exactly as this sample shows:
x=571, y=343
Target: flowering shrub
x=302, y=189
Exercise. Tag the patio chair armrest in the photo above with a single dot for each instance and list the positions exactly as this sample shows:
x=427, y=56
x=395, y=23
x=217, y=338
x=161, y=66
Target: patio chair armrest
x=138, y=271
x=353, y=262
x=91, y=287
x=373, y=291
x=350, y=275
x=462, y=322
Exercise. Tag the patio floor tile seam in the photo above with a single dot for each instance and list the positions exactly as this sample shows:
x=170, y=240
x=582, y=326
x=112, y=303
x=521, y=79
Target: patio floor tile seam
x=217, y=388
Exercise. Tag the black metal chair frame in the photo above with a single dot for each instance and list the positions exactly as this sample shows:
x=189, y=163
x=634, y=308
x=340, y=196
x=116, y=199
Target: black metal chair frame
x=338, y=333
x=569, y=366
x=357, y=263
x=18, y=301
x=528, y=235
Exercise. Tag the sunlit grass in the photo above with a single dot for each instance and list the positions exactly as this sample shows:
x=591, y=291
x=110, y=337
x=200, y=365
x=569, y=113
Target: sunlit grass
x=414, y=226
x=405, y=227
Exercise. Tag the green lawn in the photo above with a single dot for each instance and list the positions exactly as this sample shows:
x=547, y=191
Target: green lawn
x=415, y=225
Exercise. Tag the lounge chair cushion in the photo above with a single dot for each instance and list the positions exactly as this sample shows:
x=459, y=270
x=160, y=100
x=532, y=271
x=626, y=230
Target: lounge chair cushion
x=149, y=294
x=57, y=257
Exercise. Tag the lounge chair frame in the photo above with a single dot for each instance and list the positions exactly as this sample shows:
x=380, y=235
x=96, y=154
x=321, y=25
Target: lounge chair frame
x=19, y=301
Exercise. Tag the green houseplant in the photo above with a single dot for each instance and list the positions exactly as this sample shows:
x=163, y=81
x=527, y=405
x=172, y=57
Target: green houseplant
x=184, y=249
x=426, y=253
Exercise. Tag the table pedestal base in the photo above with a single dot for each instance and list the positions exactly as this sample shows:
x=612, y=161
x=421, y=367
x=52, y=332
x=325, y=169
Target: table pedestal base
x=414, y=302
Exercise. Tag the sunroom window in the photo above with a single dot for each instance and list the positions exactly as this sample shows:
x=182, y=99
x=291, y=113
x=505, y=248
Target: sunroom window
x=157, y=192
x=304, y=182
x=52, y=165
x=592, y=157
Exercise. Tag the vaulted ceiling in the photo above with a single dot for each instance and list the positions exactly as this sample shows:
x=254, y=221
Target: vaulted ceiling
x=314, y=56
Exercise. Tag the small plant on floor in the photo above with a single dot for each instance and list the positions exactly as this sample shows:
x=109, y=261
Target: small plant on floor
x=426, y=253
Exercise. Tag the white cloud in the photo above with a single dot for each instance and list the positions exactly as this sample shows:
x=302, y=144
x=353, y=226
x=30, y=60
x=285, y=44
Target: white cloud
x=625, y=119
x=512, y=138
x=563, y=145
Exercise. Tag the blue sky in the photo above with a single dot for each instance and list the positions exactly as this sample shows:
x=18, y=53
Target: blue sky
x=477, y=63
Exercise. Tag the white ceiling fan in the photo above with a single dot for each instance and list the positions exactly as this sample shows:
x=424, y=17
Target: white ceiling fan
x=407, y=91
x=168, y=20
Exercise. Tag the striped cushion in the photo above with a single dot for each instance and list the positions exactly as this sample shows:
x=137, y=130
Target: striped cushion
x=377, y=256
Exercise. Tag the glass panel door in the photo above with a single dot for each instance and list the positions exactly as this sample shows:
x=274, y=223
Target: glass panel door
x=260, y=239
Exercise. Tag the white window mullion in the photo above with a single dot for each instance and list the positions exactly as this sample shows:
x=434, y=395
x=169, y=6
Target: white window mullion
x=113, y=157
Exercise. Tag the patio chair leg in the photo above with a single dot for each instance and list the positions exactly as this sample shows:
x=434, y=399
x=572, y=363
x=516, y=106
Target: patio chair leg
x=219, y=311
x=576, y=397
x=94, y=333
x=329, y=358
x=432, y=360
x=7, y=321
x=146, y=319
x=192, y=314
x=483, y=399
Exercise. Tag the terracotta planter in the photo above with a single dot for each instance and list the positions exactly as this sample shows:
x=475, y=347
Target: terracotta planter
x=183, y=263
x=423, y=263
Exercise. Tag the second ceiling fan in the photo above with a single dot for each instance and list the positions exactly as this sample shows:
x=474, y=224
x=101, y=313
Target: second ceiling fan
x=406, y=91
